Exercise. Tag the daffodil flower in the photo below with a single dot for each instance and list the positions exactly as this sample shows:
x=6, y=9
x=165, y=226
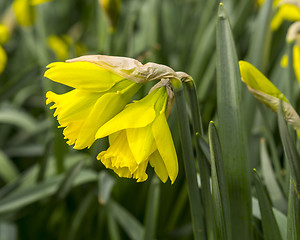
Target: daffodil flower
x=288, y=10
x=140, y=135
x=25, y=11
x=98, y=95
x=4, y=36
x=265, y=91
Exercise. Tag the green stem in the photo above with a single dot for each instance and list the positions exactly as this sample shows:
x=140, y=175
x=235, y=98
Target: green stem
x=189, y=164
x=202, y=162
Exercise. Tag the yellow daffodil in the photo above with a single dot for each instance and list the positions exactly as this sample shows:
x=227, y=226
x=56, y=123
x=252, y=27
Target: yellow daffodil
x=265, y=91
x=296, y=61
x=25, y=11
x=112, y=11
x=3, y=59
x=98, y=95
x=60, y=46
x=140, y=135
x=261, y=2
x=288, y=10
x=4, y=34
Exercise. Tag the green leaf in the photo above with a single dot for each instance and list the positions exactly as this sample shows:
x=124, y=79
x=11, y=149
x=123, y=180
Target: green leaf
x=270, y=227
x=18, y=118
x=221, y=205
x=290, y=150
x=189, y=163
x=152, y=209
x=68, y=180
x=80, y=214
x=204, y=169
x=8, y=231
x=130, y=224
x=41, y=190
x=293, y=218
x=276, y=194
x=280, y=217
x=261, y=37
x=232, y=130
x=105, y=185
x=8, y=170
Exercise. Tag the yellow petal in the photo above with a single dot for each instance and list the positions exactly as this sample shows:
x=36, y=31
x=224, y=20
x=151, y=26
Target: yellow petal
x=24, y=11
x=285, y=12
x=256, y=80
x=3, y=59
x=135, y=115
x=141, y=142
x=296, y=62
x=72, y=106
x=82, y=75
x=105, y=108
x=159, y=167
x=165, y=145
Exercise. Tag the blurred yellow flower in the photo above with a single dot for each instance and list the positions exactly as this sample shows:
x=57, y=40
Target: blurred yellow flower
x=112, y=11
x=284, y=61
x=25, y=11
x=3, y=59
x=286, y=12
x=60, y=46
x=4, y=34
x=296, y=61
x=138, y=135
x=261, y=2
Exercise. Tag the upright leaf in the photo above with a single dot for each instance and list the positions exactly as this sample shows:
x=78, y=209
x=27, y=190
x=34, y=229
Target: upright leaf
x=290, y=150
x=219, y=191
x=270, y=227
x=232, y=130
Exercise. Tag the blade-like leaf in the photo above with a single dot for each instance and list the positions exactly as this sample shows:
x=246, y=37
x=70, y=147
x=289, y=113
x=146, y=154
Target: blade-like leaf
x=130, y=224
x=293, y=218
x=280, y=217
x=270, y=227
x=152, y=209
x=219, y=191
x=105, y=184
x=42, y=190
x=232, y=130
x=66, y=184
x=276, y=194
x=290, y=150
x=8, y=171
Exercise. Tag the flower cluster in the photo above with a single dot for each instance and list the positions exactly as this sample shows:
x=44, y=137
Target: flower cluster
x=98, y=106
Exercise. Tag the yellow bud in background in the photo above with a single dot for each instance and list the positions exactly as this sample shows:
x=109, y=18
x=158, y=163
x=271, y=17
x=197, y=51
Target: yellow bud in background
x=60, y=46
x=37, y=2
x=112, y=10
x=24, y=11
x=4, y=34
x=3, y=59
x=284, y=61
